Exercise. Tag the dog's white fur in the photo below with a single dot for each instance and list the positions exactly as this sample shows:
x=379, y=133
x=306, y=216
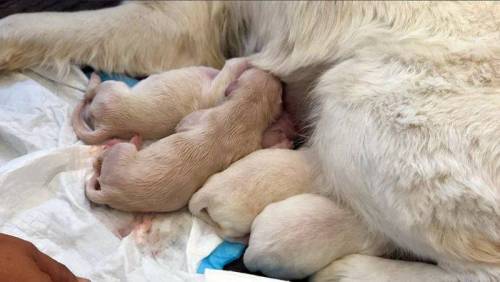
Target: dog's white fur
x=403, y=100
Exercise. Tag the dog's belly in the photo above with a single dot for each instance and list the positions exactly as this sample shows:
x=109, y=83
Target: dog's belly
x=416, y=158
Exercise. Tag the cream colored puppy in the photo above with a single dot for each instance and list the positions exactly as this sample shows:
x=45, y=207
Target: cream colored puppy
x=163, y=176
x=231, y=199
x=151, y=109
x=296, y=237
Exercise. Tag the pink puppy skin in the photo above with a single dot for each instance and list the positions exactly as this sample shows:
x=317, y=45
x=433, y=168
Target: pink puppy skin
x=280, y=134
x=163, y=176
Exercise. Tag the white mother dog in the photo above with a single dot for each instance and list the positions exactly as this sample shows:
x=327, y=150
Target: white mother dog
x=403, y=100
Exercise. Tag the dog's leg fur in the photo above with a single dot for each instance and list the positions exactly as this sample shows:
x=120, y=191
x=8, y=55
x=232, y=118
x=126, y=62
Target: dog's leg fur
x=10, y=7
x=364, y=268
x=138, y=38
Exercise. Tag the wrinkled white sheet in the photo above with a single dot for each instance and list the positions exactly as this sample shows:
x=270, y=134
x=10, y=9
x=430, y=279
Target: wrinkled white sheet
x=212, y=275
x=42, y=172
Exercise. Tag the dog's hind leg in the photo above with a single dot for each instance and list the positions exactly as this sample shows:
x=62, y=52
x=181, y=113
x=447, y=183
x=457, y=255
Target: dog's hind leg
x=138, y=38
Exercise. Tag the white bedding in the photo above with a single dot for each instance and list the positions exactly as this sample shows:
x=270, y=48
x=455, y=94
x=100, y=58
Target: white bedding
x=42, y=172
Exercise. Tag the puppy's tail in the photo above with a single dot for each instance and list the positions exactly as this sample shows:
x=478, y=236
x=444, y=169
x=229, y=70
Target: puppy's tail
x=82, y=129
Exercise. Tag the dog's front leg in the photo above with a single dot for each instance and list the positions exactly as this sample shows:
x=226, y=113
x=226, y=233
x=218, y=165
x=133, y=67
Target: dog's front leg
x=138, y=38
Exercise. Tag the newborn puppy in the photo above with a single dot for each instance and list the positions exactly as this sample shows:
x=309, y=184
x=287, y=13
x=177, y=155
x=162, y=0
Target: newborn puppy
x=231, y=199
x=163, y=176
x=152, y=108
x=294, y=238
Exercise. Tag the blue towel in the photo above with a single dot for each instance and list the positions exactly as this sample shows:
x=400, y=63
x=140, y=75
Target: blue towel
x=226, y=252
x=223, y=255
x=121, y=77
x=114, y=76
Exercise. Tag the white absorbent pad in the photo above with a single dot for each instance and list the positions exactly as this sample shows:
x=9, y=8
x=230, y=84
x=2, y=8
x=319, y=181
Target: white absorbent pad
x=43, y=168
